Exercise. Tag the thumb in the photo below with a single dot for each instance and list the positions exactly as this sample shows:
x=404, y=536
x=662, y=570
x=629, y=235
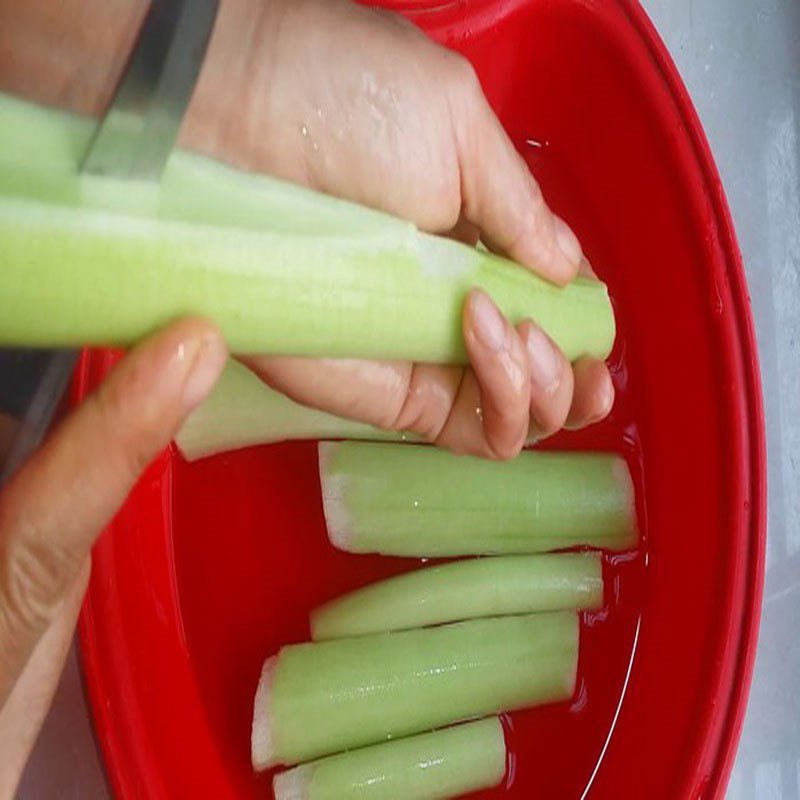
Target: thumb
x=53, y=509
x=501, y=197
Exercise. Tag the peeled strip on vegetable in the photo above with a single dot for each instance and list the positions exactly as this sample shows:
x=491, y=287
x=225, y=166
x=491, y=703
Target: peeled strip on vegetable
x=320, y=698
x=442, y=764
x=242, y=411
x=280, y=269
x=480, y=587
x=413, y=500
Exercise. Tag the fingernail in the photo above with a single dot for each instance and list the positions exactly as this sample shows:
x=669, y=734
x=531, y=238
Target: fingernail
x=568, y=242
x=605, y=398
x=490, y=328
x=207, y=362
x=544, y=361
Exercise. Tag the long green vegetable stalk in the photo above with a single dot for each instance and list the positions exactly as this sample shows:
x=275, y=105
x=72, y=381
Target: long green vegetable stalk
x=320, y=698
x=242, y=411
x=280, y=269
x=413, y=500
x=442, y=764
x=480, y=587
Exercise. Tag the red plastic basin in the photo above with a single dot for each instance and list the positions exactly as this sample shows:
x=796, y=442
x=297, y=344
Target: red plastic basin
x=212, y=566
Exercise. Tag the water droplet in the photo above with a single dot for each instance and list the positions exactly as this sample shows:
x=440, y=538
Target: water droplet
x=304, y=130
x=716, y=299
x=416, y=504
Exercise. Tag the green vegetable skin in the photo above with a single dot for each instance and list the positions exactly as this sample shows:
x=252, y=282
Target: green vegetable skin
x=413, y=500
x=242, y=411
x=478, y=587
x=442, y=764
x=279, y=268
x=320, y=698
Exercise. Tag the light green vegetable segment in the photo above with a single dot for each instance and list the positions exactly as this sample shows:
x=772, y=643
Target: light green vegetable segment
x=413, y=500
x=242, y=411
x=279, y=268
x=478, y=587
x=432, y=766
x=320, y=698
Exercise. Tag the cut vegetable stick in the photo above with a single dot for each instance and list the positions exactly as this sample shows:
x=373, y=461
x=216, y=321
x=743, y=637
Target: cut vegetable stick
x=242, y=411
x=442, y=764
x=480, y=587
x=320, y=698
x=414, y=500
x=324, y=278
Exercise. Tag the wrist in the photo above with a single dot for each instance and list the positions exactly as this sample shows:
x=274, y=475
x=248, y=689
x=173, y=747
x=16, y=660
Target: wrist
x=68, y=54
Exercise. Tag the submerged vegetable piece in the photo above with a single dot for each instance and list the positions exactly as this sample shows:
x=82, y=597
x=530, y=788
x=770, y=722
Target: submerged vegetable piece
x=478, y=587
x=242, y=411
x=442, y=764
x=279, y=268
x=413, y=500
x=320, y=698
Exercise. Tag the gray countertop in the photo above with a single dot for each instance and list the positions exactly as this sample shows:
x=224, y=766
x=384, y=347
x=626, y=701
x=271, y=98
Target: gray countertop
x=741, y=62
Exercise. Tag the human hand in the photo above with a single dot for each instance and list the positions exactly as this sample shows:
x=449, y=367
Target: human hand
x=52, y=510
x=360, y=104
